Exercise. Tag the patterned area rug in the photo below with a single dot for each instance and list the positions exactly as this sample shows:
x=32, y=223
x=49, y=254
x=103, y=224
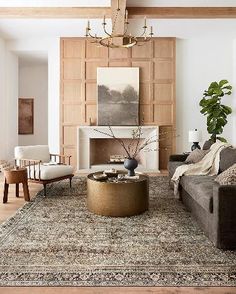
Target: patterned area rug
x=55, y=241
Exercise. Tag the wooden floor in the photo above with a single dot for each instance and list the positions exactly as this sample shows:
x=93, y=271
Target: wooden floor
x=9, y=209
x=117, y=290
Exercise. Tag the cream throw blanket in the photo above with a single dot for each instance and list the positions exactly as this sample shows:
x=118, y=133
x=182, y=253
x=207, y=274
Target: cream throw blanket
x=209, y=165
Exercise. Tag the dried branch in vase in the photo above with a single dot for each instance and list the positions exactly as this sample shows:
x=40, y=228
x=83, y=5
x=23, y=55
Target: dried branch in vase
x=137, y=143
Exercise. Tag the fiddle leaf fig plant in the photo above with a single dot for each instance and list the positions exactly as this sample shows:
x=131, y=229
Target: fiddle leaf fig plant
x=213, y=108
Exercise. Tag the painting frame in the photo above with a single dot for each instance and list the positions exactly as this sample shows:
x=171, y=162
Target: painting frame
x=26, y=116
x=118, y=96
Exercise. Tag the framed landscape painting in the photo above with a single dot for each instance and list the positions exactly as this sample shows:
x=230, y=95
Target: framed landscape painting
x=26, y=116
x=118, y=96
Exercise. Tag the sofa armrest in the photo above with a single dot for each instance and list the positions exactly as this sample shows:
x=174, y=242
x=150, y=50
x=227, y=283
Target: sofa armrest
x=178, y=157
x=224, y=213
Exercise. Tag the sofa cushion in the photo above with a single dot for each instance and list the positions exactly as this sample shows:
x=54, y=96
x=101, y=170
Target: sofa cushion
x=200, y=188
x=196, y=156
x=172, y=165
x=36, y=152
x=227, y=177
x=227, y=158
x=49, y=172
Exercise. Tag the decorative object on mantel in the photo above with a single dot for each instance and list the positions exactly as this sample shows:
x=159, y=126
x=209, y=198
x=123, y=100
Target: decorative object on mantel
x=117, y=38
x=118, y=96
x=194, y=136
x=215, y=111
x=116, y=159
x=135, y=146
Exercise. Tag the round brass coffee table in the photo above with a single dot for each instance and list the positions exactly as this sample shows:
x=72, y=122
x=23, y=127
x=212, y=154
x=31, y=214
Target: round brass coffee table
x=121, y=198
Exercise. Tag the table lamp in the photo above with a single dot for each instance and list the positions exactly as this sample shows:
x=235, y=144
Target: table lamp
x=194, y=136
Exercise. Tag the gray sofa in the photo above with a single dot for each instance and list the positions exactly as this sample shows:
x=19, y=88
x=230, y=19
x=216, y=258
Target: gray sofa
x=211, y=204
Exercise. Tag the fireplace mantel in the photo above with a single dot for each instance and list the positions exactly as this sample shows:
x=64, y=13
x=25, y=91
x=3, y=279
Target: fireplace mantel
x=86, y=133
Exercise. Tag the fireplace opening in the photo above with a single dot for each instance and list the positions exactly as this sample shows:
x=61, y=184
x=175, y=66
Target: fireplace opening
x=104, y=150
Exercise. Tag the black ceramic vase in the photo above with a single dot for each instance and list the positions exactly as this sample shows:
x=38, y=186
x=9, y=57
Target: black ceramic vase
x=130, y=164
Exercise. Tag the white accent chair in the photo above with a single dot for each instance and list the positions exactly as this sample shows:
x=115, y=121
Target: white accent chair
x=43, y=167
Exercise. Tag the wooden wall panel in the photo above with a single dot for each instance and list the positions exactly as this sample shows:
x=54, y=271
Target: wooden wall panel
x=94, y=51
x=91, y=69
x=144, y=51
x=91, y=92
x=74, y=48
x=72, y=69
x=119, y=53
x=79, y=61
x=145, y=73
x=70, y=135
x=164, y=93
x=73, y=113
x=164, y=48
x=72, y=91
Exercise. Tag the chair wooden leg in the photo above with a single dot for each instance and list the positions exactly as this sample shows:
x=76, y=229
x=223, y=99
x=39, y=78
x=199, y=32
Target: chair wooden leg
x=5, y=195
x=17, y=190
x=45, y=189
x=70, y=182
x=26, y=191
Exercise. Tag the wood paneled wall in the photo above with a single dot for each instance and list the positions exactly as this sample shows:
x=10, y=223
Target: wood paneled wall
x=79, y=61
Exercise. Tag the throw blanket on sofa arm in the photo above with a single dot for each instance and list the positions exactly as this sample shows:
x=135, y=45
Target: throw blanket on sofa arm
x=209, y=165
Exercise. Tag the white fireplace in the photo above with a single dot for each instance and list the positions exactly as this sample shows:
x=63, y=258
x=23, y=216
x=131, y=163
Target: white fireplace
x=93, y=148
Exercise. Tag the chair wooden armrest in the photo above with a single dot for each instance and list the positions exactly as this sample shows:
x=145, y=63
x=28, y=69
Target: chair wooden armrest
x=60, y=158
x=26, y=162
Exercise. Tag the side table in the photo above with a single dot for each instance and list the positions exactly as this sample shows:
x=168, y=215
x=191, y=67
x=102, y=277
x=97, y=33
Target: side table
x=16, y=176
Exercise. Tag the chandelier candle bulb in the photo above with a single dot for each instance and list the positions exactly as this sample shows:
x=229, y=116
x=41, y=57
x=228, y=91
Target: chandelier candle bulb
x=126, y=15
x=88, y=25
x=145, y=22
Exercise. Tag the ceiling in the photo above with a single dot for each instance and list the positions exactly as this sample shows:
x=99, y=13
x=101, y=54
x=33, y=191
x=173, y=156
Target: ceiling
x=104, y=3
x=47, y=28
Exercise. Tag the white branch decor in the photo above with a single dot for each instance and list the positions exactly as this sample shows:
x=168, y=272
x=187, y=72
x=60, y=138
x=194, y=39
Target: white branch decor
x=136, y=145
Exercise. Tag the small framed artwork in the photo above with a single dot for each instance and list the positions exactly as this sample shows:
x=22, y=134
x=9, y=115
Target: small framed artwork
x=26, y=116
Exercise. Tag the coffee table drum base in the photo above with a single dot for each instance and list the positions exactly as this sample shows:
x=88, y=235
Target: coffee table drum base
x=117, y=199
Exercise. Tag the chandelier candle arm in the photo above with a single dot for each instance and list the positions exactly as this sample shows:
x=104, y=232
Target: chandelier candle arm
x=119, y=37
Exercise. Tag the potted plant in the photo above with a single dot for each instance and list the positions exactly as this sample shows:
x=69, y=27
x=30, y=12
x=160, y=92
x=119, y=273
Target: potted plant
x=213, y=108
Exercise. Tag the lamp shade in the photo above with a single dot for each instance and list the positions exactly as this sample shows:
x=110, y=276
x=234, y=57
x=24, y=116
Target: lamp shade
x=194, y=136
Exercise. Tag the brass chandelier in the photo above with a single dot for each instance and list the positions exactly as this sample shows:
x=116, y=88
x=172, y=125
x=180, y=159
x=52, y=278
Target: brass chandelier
x=125, y=40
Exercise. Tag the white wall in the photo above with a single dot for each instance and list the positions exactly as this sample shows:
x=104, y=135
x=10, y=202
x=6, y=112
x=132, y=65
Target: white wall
x=33, y=83
x=201, y=61
x=52, y=47
x=8, y=102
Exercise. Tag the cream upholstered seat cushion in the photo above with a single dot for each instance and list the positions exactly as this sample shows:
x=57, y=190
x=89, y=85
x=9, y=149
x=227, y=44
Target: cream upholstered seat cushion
x=41, y=152
x=49, y=172
x=36, y=152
